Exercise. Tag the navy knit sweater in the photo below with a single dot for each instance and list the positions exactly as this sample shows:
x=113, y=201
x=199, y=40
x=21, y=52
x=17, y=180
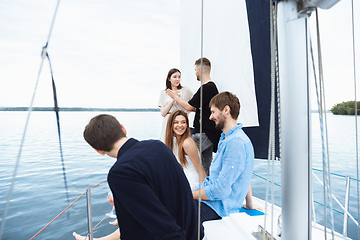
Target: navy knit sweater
x=152, y=196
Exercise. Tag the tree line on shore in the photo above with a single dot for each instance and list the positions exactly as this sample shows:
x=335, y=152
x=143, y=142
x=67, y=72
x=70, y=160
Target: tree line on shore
x=345, y=108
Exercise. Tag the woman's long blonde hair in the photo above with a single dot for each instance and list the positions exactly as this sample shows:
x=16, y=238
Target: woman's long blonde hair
x=169, y=136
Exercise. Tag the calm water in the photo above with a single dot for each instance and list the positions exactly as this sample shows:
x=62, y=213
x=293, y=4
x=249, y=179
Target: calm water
x=39, y=192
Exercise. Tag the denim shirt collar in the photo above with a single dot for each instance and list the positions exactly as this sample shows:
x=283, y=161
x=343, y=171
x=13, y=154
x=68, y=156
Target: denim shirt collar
x=238, y=126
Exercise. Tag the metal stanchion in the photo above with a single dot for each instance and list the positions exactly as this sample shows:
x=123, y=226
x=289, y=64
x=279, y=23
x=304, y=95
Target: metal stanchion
x=88, y=201
x=346, y=205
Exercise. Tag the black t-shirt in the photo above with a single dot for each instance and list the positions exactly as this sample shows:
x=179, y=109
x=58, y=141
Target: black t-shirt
x=209, y=91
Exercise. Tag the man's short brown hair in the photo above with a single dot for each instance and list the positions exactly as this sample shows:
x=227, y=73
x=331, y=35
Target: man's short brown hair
x=206, y=64
x=223, y=99
x=103, y=131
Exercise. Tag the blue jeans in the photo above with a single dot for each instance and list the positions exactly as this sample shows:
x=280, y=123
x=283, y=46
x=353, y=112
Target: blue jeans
x=206, y=150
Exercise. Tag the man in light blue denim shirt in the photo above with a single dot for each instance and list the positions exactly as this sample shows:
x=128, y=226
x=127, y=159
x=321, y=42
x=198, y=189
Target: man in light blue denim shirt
x=230, y=172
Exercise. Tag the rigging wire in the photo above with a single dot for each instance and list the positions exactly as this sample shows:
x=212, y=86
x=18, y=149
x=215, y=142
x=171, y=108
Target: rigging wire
x=323, y=122
x=356, y=113
x=18, y=156
x=322, y=135
x=318, y=102
x=322, y=92
x=201, y=109
x=6, y=209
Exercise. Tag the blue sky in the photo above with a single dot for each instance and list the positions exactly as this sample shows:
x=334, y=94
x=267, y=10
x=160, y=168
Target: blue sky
x=116, y=53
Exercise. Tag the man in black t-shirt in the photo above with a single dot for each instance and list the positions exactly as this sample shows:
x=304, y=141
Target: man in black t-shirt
x=210, y=135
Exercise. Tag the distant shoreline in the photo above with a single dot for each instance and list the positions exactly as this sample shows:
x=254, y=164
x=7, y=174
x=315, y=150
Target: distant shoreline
x=79, y=109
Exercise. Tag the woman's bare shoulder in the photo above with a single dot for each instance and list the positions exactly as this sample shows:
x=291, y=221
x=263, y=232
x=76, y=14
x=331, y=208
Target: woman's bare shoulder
x=189, y=144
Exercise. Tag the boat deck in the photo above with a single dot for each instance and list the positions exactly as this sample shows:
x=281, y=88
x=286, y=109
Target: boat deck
x=243, y=226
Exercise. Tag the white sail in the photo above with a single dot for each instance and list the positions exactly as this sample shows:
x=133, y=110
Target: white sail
x=226, y=45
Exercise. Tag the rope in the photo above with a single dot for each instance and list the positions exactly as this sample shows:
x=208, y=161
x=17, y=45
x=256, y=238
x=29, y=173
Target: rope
x=266, y=179
x=271, y=148
x=24, y=133
x=314, y=169
x=337, y=201
x=57, y=216
x=320, y=116
x=65, y=210
x=274, y=79
x=325, y=149
x=356, y=113
x=278, y=185
x=335, y=210
x=96, y=226
x=326, y=163
x=352, y=218
x=56, y=109
x=336, y=174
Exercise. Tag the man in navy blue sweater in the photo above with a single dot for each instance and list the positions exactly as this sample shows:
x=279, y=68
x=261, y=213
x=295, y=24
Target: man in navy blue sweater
x=152, y=196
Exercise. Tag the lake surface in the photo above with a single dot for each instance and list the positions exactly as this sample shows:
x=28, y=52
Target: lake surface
x=39, y=191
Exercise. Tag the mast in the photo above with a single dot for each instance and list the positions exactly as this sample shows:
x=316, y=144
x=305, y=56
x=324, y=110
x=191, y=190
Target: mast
x=295, y=119
x=295, y=115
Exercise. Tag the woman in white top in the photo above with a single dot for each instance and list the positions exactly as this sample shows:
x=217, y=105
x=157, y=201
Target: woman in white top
x=166, y=103
x=178, y=139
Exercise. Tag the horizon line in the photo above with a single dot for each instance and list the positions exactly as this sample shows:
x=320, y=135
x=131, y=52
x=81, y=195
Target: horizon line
x=74, y=109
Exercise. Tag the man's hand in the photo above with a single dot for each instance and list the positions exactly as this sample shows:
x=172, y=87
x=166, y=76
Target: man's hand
x=172, y=93
x=199, y=192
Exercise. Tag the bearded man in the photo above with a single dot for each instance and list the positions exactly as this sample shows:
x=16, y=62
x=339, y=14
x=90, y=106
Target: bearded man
x=224, y=190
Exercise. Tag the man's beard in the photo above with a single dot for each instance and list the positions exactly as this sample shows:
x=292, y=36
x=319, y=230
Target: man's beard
x=220, y=125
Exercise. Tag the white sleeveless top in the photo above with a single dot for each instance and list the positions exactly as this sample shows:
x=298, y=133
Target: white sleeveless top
x=190, y=171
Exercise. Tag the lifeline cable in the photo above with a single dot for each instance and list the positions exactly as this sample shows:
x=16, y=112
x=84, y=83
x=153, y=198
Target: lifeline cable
x=66, y=210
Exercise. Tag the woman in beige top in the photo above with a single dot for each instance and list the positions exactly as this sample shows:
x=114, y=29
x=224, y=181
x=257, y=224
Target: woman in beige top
x=166, y=103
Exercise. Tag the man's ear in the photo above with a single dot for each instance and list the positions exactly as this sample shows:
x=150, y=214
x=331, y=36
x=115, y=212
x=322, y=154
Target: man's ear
x=123, y=128
x=226, y=110
x=100, y=151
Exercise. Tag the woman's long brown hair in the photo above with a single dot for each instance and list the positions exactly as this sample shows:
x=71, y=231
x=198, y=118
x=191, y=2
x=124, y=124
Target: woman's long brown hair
x=169, y=136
